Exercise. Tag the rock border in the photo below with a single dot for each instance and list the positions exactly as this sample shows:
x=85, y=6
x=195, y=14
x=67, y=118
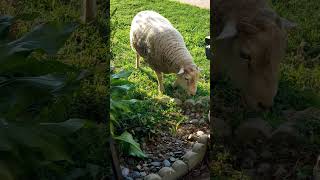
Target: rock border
x=181, y=167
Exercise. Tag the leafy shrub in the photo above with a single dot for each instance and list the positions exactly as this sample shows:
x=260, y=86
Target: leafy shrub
x=29, y=82
x=119, y=106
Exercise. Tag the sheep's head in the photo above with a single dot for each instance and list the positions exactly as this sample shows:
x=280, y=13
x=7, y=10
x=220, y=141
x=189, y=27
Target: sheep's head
x=251, y=50
x=187, y=78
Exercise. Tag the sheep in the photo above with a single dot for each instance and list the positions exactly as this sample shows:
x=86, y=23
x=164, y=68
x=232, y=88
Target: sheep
x=250, y=43
x=154, y=38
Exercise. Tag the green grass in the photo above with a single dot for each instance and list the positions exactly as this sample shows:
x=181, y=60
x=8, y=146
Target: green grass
x=192, y=23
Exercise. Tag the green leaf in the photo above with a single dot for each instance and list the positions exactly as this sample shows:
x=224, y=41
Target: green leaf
x=122, y=87
x=48, y=37
x=5, y=23
x=134, y=147
x=64, y=128
x=121, y=74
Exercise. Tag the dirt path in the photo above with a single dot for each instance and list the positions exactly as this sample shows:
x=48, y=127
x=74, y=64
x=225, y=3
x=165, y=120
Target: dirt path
x=199, y=3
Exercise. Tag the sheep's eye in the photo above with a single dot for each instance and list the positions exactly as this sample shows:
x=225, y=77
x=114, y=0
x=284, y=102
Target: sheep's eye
x=245, y=56
x=186, y=78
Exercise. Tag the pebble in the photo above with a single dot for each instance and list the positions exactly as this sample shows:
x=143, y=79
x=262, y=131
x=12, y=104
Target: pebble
x=172, y=159
x=157, y=164
x=200, y=133
x=143, y=174
x=193, y=121
x=178, y=152
x=125, y=172
x=135, y=174
x=166, y=163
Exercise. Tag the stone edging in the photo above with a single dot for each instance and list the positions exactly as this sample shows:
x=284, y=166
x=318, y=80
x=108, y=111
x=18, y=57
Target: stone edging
x=181, y=167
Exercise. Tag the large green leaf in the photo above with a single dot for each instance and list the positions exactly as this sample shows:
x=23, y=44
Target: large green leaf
x=48, y=37
x=64, y=128
x=44, y=137
x=134, y=147
x=121, y=74
x=5, y=23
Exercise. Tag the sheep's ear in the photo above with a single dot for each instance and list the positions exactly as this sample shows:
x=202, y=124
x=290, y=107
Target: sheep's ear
x=286, y=24
x=229, y=30
x=181, y=71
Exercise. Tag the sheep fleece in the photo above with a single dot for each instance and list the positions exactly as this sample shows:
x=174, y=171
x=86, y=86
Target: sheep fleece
x=161, y=45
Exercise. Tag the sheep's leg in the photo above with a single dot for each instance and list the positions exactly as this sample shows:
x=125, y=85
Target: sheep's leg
x=137, y=61
x=160, y=82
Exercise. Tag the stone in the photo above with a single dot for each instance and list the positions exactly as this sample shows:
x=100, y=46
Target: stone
x=135, y=174
x=143, y=174
x=192, y=159
x=254, y=129
x=167, y=173
x=202, y=121
x=189, y=103
x=178, y=152
x=172, y=159
x=166, y=163
x=180, y=167
x=193, y=121
x=153, y=177
x=203, y=139
x=305, y=114
x=200, y=133
x=199, y=148
x=220, y=128
x=191, y=137
x=286, y=133
x=155, y=163
x=125, y=172
x=199, y=104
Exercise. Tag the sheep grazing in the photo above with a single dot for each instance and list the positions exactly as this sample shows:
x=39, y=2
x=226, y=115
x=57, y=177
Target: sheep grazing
x=161, y=45
x=250, y=43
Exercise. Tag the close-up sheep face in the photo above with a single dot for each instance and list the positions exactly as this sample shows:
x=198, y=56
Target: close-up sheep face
x=187, y=79
x=254, y=51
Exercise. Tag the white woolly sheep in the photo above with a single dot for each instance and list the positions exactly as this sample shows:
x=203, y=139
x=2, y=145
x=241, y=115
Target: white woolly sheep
x=161, y=45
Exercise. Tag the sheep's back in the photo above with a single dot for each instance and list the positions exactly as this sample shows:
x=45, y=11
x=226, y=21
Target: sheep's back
x=154, y=38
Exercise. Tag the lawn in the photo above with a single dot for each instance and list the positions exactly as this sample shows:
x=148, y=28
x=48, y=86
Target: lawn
x=192, y=23
x=299, y=89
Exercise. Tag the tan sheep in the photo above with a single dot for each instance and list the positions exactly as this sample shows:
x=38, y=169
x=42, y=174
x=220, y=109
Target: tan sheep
x=155, y=39
x=250, y=43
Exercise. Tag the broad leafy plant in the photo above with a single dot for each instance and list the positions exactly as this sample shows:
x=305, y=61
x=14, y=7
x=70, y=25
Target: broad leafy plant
x=29, y=82
x=119, y=106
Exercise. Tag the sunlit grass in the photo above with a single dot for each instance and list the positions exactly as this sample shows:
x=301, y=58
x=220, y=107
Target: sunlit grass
x=192, y=23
